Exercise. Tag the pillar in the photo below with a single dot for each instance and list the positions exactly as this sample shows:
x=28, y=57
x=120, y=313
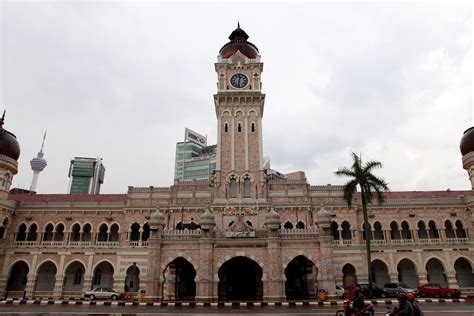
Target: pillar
x=452, y=280
x=204, y=286
x=274, y=284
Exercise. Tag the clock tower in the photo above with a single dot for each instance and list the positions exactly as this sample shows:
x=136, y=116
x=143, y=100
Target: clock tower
x=239, y=104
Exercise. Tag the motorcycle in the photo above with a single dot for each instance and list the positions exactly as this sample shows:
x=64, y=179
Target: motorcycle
x=367, y=310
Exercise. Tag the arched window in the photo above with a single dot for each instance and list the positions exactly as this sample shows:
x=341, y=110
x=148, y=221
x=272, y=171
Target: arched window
x=239, y=127
x=48, y=232
x=103, y=235
x=226, y=127
x=246, y=187
x=433, y=232
x=86, y=232
x=59, y=233
x=32, y=232
x=253, y=127
x=448, y=229
x=114, y=234
x=378, y=233
x=406, y=233
x=300, y=225
x=135, y=232
x=422, y=232
x=233, y=188
x=334, y=231
x=288, y=225
x=460, y=231
x=363, y=232
x=346, y=230
x=394, y=232
x=75, y=232
x=146, y=232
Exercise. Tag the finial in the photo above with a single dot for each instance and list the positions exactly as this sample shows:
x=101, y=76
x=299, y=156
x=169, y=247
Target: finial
x=2, y=120
x=238, y=24
x=44, y=137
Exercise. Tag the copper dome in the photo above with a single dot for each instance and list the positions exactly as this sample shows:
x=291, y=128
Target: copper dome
x=8, y=144
x=238, y=42
x=467, y=141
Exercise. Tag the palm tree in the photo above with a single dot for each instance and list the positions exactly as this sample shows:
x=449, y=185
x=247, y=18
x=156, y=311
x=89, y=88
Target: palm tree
x=368, y=184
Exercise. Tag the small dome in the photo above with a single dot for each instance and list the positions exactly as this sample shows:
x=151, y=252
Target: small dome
x=467, y=141
x=238, y=42
x=8, y=144
x=272, y=219
x=207, y=220
x=157, y=219
x=322, y=216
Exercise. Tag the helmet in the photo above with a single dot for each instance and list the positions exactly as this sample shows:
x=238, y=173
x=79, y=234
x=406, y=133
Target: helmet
x=357, y=290
x=403, y=298
x=410, y=297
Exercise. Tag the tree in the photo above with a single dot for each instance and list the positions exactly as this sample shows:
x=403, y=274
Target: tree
x=362, y=177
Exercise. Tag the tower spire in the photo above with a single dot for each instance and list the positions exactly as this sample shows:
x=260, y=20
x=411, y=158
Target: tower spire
x=238, y=24
x=2, y=120
x=37, y=165
x=42, y=144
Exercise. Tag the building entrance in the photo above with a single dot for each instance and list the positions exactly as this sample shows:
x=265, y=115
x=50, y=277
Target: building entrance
x=240, y=279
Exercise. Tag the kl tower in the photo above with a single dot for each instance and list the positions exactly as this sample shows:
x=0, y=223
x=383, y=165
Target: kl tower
x=37, y=165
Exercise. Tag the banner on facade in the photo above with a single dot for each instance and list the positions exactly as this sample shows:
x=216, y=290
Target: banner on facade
x=195, y=137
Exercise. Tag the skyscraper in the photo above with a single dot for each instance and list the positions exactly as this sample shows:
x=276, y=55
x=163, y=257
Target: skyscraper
x=37, y=165
x=86, y=175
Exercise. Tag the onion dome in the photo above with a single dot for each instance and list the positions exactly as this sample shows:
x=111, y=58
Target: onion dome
x=467, y=141
x=272, y=220
x=238, y=42
x=207, y=220
x=8, y=144
x=322, y=217
x=157, y=220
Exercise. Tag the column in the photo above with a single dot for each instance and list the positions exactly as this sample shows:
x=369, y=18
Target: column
x=274, y=285
x=30, y=285
x=205, y=287
x=58, y=285
x=451, y=278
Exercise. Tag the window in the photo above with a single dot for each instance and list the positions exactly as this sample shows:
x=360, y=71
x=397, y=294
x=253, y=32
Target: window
x=239, y=127
x=246, y=188
x=253, y=127
x=233, y=188
x=226, y=127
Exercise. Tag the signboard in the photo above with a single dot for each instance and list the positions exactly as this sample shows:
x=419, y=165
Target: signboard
x=195, y=137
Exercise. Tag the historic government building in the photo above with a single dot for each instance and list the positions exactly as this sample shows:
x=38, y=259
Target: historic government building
x=241, y=235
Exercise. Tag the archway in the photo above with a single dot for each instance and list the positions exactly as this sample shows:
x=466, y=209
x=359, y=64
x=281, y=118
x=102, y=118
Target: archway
x=464, y=273
x=18, y=277
x=132, y=280
x=407, y=273
x=179, y=282
x=380, y=272
x=300, y=279
x=348, y=269
x=103, y=275
x=46, y=277
x=435, y=271
x=74, y=278
x=240, y=279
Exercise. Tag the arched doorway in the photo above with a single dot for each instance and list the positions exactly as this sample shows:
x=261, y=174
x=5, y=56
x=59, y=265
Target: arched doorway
x=103, y=275
x=464, y=273
x=18, y=277
x=179, y=282
x=300, y=279
x=46, y=278
x=407, y=273
x=74, y=278
x=435, y=271
x=132, y=280
x=348, y=269
x=240, y=279
x=380, y=273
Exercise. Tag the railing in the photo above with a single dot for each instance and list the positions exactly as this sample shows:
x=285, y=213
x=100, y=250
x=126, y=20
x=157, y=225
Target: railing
x=378, y=241
x=84, y=243
x=402, y=241
x=457, y=240
x=299, y=233
x=106, y=244
x=138, y=243
x=343, y=242
x=25, y=243
x=52, y=243
x=181, y=234
x=429, y=240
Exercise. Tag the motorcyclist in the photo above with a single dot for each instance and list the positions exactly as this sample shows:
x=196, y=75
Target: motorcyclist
x=353, y=294
x=405, y=308
x=416, y=308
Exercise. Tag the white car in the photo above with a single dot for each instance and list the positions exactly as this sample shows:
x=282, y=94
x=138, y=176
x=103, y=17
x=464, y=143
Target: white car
x=102, y=292
x=339, y=291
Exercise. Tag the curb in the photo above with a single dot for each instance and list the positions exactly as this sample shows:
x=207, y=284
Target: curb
x=213, y=304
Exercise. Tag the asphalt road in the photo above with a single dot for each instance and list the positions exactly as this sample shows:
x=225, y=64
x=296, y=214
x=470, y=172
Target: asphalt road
x=429, y=309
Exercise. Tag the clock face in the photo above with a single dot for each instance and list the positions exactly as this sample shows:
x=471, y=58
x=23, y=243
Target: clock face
x=239, y=80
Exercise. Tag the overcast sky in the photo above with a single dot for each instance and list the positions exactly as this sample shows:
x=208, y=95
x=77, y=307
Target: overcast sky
x=121, y=81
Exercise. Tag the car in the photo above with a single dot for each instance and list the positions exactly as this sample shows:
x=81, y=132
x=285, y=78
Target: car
x=339, y=291
x=436, y=290
x=102, y=292
x=395, y=289
x=377, y=292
